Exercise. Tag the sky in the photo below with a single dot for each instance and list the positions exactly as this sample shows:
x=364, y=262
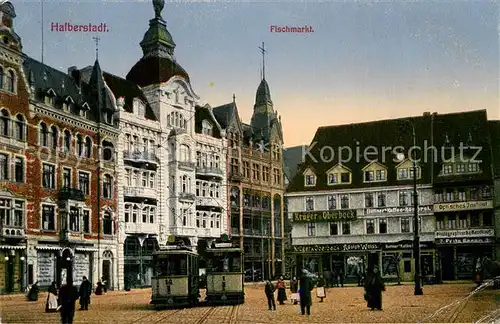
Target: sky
x=364, y=61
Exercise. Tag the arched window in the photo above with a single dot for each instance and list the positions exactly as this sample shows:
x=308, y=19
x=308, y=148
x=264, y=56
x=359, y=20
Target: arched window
x=176, y=119
x=88, y=147
x=1, y=77
x=152, y=214
x=145, y=212
x=67, y=141
x=107, y=187
x=19, y=128
x=185, y=154
x=108, y=151
x=79, y=145
x=184, y=180
x=107, y=223
x=206, y=128
x=54, y=137
x=43, y=135
x=11, y=81
x=5, y=123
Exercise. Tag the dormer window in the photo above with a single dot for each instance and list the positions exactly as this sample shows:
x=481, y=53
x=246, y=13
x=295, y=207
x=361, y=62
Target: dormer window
x=374, y=172
x=380, y=175
x=50, y=98
x=405, y=170
x=333, y=178
x=206, y=128
x=339, y=174
x=309, y=178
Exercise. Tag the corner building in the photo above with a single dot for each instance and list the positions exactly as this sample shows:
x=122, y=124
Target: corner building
x=357, y=214
x=61, y=196
x=256, y=184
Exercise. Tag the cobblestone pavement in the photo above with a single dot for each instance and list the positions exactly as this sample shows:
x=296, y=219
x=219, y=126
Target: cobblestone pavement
x=343, y=305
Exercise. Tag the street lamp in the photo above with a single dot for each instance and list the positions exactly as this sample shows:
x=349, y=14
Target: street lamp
x=416, y=237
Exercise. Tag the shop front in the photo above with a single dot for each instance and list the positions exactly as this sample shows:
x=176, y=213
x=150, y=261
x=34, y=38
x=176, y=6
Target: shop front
x=398, y=263
x=12, y=268
x=460, y=250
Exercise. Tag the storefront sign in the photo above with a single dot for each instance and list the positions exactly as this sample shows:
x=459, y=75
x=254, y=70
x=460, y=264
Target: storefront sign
x=336, y=247
x=325, y=216
x=397, y=210
x=46, y=268
x=465, y=240
x=405, y=246
x=465, y=205
x=465, y=233
x=81, y=266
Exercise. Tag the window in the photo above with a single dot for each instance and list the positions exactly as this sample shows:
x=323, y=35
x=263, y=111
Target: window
x=440, y=222
x=54, y=137
x=4, y=166
x=486, y=192
x=206, y=128
x=404, y=199
x=107, y=187
x=145, y=214
x=135, y=213
x=185, y=154
x=74, y=219
x=381, y=199
x=452, y=221
x=462, y=221
x=11, y=81
x=369, y=176
x=18, y=210
x=152, y=214
x=447, y=169
x=380, y=175
x=19, y=169
x=405, y=225
x=127, y=213
x=402, y=173
x=309, y=180
x=67, y=141
x=19, y=128
x=461, y=195
x=16, y=218
x=449, y=195
x=333, y=178
x=344, y=201
x=309, y=203
x=311, y=229
x=88, y=147
x=474, y=193
x=332, y=202
x=66, y=181
x=1, y=77
x=48, y=218
x=5, y=123
x=346, y=228
x=473, y=167
x=5, y=211
x=49, y=176
x=334, y=229
x=107, y=224
x=151, y=180
x=370, y=226
x=412, y=172
x=43, y=139
x=79, y=145
x=86, y=221
x=382, y=226
x=460, y=168
x=84, y=182
x=345, y=177
x=368, y=200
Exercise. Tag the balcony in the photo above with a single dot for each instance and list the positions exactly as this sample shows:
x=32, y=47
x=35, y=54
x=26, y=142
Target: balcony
x=187, y=166
x=141, y=228
x=140, y=192
x=188, y=197
x=68, y=236
x=235, y=177
x=210, y=171
x=14, y=232
x=67, y=193
x=207, y=201
x=140, y=156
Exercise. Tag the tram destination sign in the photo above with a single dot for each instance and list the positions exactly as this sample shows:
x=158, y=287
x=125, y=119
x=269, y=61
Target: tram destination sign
x=325, y=216
x=336, y=247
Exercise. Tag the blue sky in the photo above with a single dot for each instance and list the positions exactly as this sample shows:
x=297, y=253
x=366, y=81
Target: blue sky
x=364, y=61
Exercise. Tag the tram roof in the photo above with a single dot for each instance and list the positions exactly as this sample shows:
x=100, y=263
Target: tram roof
x=225, y=249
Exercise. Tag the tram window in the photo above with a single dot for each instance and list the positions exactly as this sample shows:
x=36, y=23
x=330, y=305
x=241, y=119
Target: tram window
x=225, y=263
x=172, y=265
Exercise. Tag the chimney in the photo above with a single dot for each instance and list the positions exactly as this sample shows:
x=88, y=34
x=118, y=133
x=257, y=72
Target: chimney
x=427, y=114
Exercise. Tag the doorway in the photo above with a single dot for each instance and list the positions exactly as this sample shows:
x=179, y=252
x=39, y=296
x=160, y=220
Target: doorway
x=106, y=273
x=447, y=263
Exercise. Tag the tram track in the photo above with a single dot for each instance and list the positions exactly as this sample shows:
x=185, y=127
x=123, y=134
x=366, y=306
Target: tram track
x=234, y=314
x=205, y=316
x=153, y=315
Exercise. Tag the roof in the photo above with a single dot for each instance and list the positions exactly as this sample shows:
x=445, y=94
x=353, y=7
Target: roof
x=155, y=70
x=263, y=94
x=373, y=137
x=203, y=113
x=292, y=157
x=224, y=114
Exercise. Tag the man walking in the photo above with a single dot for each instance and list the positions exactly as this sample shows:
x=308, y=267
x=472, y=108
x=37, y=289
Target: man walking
x=85, y=292
x=68, y=295
x=305, y=293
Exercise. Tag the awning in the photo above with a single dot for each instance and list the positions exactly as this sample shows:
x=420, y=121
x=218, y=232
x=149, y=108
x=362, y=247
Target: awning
x=86, y=249
x=48, y=248
x=12, y=247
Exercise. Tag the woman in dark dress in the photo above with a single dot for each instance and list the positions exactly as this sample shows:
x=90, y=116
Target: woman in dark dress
x=374, y=286
x=294, y=289
x=33, y=293
x=281, y=291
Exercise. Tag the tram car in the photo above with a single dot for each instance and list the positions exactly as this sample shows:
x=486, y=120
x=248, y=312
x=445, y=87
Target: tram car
x=175, y=279
x=224, y=274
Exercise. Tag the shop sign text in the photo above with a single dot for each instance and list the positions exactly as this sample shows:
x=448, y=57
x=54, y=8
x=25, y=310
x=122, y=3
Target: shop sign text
x=465, y=205
x=465, y=240
x=486, y=232
x=397, y=210
x=325, y=216
x=336, y=247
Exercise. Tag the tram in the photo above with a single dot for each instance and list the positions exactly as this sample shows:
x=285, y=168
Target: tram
x=175, y=279
x=225, y=275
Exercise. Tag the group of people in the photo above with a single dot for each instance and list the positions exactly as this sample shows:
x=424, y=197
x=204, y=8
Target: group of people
x=64, y=299
x=301, y=291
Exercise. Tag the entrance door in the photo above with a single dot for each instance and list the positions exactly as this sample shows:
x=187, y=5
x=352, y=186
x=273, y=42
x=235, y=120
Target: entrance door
x=106, y=272
x=447, y=263
x=10, y=276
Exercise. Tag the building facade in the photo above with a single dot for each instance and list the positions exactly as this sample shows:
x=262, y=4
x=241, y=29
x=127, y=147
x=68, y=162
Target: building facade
x=353, y=213
x=256, y=184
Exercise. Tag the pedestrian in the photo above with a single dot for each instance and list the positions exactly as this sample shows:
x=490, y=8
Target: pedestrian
x=294, y=288
x=305, y=287
x=327, y=275
x=51, y=304
x=33, y=292
x=374, y=286
x=104, y=284
x=341, y=277
x=270, y=295
x=281, y=290
x=68, y=295
x=84, y=293
x=320, y=289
